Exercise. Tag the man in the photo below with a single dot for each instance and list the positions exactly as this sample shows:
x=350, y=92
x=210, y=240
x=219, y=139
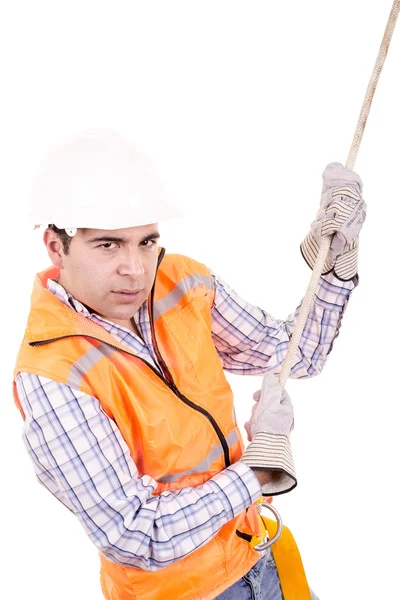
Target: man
x=129, y=418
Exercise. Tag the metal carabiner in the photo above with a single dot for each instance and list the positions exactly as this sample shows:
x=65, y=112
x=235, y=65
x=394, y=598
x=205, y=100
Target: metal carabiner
x=263, y=546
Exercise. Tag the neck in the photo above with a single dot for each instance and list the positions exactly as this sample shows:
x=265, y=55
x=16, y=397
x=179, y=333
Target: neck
x=131, y=325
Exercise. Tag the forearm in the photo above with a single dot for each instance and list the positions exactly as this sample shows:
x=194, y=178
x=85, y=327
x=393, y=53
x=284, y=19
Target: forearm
x=322, y=326
x=81, y=457
x=250, y=341
x=151, y=532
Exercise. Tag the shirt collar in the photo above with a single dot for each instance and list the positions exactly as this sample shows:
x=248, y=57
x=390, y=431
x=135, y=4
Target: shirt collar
x=66, y=298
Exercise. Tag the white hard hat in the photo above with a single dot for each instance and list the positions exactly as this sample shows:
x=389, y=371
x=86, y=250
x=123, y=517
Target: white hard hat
x=98, y=180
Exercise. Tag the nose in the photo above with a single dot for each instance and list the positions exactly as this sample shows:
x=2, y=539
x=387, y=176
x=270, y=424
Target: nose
x=131, y=263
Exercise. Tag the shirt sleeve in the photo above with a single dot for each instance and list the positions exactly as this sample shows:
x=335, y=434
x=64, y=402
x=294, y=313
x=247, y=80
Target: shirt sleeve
x=80, y=456
x=250, y=341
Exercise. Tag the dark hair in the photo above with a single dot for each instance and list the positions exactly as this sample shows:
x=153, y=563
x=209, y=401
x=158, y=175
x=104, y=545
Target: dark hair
x=64, y=237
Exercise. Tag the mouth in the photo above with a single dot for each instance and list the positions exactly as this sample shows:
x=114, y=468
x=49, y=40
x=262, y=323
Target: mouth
x=127, y=295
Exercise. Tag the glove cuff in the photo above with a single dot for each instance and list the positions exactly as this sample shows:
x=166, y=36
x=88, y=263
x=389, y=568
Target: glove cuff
x=309, y=249
x=346, y=264
x=272, y=452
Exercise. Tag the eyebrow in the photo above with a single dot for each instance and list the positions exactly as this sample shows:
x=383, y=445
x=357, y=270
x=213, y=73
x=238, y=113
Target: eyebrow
x=121, y=240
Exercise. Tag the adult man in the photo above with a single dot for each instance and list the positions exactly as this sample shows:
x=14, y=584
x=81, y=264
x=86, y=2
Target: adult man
x=129, y=418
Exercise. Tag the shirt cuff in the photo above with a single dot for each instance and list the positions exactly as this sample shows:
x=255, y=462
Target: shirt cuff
x=237, y=487
x=272, y=452
x=332, y=293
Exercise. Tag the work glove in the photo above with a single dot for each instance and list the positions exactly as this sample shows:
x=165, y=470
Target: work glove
x=342, y=213
x=268, y=430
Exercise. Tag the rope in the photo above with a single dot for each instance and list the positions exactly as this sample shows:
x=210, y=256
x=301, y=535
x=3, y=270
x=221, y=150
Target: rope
x=326, y=241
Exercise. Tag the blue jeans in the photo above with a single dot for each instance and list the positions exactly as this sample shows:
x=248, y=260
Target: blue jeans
x=260, y=583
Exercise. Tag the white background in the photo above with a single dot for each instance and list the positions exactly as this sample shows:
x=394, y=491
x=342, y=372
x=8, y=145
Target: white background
x=240, y=104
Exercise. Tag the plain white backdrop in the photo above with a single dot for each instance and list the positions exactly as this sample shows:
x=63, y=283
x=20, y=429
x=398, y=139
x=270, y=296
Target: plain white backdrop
x=240, y=104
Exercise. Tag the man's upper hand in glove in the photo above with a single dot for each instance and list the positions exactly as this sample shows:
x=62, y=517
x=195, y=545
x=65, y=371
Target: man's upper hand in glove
x=341, y=215
x=269, y=454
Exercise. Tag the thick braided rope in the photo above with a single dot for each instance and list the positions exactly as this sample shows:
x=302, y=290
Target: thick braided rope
x=326, y=241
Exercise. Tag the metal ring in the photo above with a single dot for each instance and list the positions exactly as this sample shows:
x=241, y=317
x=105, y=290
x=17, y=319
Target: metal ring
x=276, y=537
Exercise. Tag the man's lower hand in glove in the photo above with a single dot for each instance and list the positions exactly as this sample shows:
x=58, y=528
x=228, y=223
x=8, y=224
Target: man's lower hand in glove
x=269, y=453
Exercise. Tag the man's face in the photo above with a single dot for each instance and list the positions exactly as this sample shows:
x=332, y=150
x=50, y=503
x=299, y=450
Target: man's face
x=110, y=271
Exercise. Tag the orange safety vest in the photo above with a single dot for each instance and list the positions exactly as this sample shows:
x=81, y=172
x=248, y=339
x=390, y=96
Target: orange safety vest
x=180, y=430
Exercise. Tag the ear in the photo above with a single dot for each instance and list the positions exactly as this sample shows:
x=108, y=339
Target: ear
x=54, y=248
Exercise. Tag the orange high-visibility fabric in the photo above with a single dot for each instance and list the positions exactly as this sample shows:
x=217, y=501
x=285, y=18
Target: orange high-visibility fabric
x=166, y=437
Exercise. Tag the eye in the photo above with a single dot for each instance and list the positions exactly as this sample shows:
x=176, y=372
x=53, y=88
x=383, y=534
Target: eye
x=149, y=243
x=108, y=245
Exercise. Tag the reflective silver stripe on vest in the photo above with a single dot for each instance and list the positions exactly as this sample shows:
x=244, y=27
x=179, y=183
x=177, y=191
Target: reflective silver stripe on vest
x=181, y=288
x=206, y=463
x=86, y=362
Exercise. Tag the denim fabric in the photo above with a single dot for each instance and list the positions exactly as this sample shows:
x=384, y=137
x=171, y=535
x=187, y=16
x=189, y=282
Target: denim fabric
x=260, y=583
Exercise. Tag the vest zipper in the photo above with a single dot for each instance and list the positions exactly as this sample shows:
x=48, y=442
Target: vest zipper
x=170, y=382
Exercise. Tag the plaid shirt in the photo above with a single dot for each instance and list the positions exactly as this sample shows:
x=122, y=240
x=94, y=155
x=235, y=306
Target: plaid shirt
x=80, y=456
